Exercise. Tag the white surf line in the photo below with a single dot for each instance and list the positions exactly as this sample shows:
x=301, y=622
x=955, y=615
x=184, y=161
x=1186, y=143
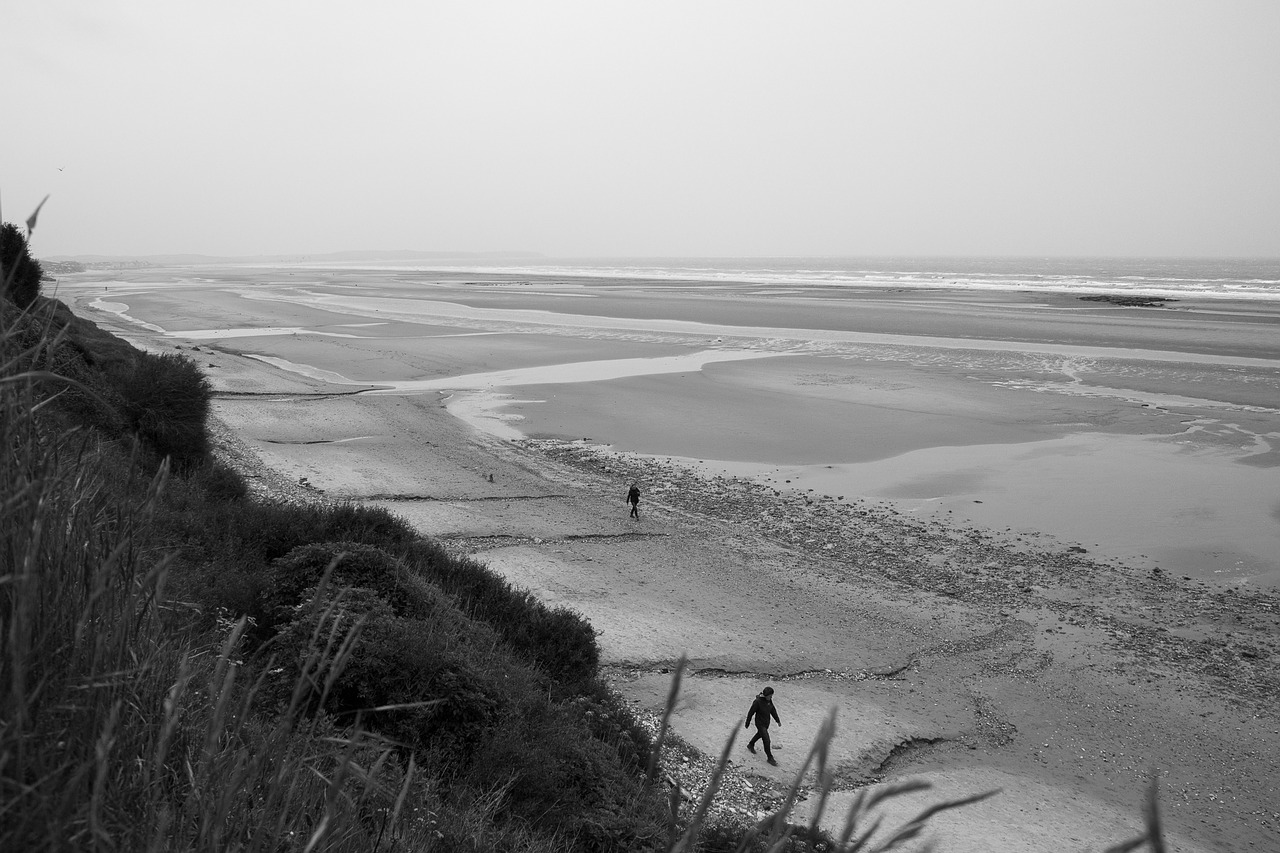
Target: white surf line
x=420, y=310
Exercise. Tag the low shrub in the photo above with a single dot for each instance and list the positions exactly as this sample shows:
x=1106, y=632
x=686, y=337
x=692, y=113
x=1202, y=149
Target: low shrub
x=251, y=535
x=611, y=721
x=252, y=532
x=20, y=273
x=559, y=778
x=209, y=485
x=559, y=641
x=164, y=401
x=413, y=681
x=267, y=531
x=221, y=483
x=226, y=548
x=224, y=587
x=38, y=341
x=372, y=525
x=352, y=564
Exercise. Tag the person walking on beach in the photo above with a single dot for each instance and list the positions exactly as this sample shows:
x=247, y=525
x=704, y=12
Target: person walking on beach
x=633, y=498
x=761, y=710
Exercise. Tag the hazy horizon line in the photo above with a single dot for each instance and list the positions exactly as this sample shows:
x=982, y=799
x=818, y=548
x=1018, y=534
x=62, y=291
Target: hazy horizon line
x=417, y=254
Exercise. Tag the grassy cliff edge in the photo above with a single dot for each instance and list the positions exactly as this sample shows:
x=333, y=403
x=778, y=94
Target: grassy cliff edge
x=186, y=666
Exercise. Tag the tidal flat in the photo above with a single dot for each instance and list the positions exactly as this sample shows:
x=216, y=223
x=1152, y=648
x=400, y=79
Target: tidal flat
x=1011, y=536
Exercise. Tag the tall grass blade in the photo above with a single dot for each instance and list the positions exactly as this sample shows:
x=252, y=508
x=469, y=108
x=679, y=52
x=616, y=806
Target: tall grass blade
x=1154, y=834
x=35, y=214
x=699, y=815
x=672, y=696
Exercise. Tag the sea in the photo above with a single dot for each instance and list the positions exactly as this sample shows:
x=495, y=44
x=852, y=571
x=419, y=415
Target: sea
x=1171, y=278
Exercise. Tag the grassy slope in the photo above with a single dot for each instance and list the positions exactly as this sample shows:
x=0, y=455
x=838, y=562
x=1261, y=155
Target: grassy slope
x=324, y=675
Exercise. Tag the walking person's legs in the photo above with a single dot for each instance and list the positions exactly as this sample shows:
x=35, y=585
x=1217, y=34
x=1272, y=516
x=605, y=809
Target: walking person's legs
x=764, y=741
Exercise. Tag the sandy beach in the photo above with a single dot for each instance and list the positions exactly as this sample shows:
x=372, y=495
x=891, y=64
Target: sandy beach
x=1017, y=541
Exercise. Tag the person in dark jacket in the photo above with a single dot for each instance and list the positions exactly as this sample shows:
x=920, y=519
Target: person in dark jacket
x=633, y=498
x=761, y=710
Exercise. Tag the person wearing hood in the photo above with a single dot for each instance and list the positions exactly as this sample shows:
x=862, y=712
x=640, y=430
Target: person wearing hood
x=633, y=498
x=761, y=710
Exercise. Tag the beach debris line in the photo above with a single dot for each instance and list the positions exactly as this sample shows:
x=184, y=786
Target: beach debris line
x=1129, y=301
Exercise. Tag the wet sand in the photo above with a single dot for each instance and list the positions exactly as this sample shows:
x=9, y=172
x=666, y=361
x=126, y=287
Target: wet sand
x=988, y=651
x=1147, y=434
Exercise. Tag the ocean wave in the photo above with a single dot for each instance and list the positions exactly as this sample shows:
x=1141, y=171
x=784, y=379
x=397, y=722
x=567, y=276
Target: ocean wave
x=1170, y=278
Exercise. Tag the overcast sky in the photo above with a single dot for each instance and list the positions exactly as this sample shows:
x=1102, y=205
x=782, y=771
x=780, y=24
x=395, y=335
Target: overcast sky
x=645, y=128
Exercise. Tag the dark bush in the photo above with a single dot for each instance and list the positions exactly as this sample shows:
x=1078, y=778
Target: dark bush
x=264, y=530
x=294, y=575
x=271, y=530
x=559, y=779
x=80, y=397
x=165, y=402
x=259, y=532
x=559, y=641
x=209, y=485
x=20, y=273
x=251, y=535
x=248, y=535
x=420, y=683
x=224, y=583
x=221, y=483
x=612, y=722
x=372, y=525
x=565, y=642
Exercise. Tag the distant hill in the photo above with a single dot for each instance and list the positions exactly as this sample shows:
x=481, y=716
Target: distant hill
x=293, y=258
x=61, y=267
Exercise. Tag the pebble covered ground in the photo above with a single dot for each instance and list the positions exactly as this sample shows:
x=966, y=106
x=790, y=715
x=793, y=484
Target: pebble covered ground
x=1220, y=641
x=1158, y=619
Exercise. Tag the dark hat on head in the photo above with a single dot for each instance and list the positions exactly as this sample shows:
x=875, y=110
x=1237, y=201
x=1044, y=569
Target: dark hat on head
x=768, y=691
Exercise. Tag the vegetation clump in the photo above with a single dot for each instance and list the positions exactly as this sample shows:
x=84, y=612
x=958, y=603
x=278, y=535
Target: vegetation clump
x=1130, y=301
x=22, y=273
